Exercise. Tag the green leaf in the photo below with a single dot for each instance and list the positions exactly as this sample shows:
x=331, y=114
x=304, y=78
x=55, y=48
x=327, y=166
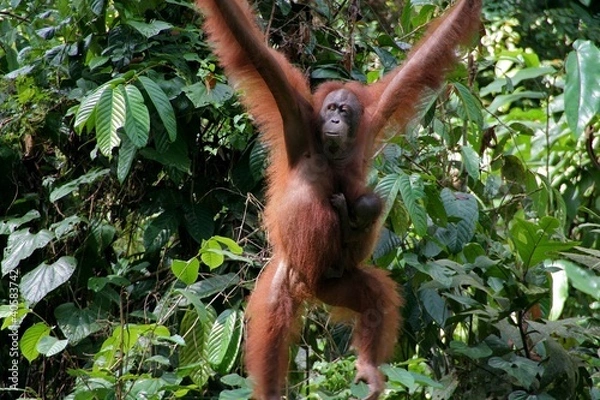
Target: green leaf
x=504, y=100
x=35, y=285
x=583, y=280
x=30, y=339
x=387, y=189
x=162, y=105
x=49, y=345
x=159, y=230
x=481, y=350
x=435, y=306
x=560, y=288
x=193, y=356
x=151, y=29
x=211, y=253
x=471, y=161
x=200, y=95
x=110, y=117
x=76, y=324
x=471, y=106
x=137, y=117
x=534, y=242
x=127, y=153
x=8, y=225
x=73, y=185
x=230, y=243
x=21, y=244
x=582, y=92
x=216, y=284
x=413, y=194
x=66, y=227
x=86, y=114
x=464, y=208
x=522, y=369
x=224, y=341
x=186, y=271
x=199, y=221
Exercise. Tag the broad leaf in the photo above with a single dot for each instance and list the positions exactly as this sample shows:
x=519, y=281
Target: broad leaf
x=127, y=153
x=582, y=92
x=201, y=95
x=224, y=341
x=151, y=29
x=471, y=106
x=471, y=160
x=413, y=195
x=49, y=345
x=583, y=279
x=73, y=185
x=30, y=339
x=186, y=271
x=8, y=225
x=110, y=117
x=535, y=242
x=160, y=230
x=137, y=117
x=193, y=357
x=35, y=285
x=21, y=244
x=216, y=284
x=162, y=104
x=462, y=207
x=76, y=324
x=86, y=114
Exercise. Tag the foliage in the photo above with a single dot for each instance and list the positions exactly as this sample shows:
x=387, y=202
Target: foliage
x=132, y=187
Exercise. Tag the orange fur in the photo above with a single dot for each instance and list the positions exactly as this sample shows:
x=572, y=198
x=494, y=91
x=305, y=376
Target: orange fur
x=304, y=228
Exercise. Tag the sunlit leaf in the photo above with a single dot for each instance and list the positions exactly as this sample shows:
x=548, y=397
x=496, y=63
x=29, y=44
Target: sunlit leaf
x=21, y=244
x=35, y=285
x=224, y=341
x=582, y=92
x=110, y=117
x=30, y=339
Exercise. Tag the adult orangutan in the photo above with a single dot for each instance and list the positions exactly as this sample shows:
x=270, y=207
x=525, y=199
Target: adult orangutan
x=320, y=217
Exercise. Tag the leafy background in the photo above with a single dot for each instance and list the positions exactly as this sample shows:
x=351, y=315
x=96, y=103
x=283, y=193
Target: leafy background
x=132, y=189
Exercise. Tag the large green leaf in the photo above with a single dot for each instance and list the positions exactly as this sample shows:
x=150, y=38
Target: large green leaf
x=76, y=324
x=193, y=357
x=186, y=271
x=162, y=104
x=413, y=195
x=214, y=285
x=583, y=279
x=86, y=114
x=35, y=285
x=30, y=339
x=8, y=225
x=463, y=208
x=201, y=95
x=49, y=345
x=127, y=153
x=582, y=91
x=160, y=229
x=137, y=117
x=470, y=104
x=471, y=160
x=224, y=341
x=535, y=242
x=149, y=29
x=110, y=117
x=71, y=186
x=21, y=244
